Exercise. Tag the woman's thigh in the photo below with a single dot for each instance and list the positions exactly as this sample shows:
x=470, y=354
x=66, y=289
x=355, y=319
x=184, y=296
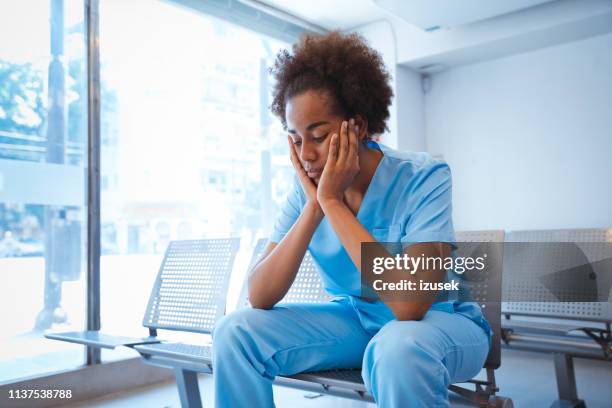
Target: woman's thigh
x=292, y=338
x=459, y=345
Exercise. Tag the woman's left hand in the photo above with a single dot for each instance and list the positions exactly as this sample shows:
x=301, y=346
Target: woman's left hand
x=342, y=164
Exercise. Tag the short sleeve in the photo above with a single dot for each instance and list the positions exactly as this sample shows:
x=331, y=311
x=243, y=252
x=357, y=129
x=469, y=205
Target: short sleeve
x=429, y=209
x=289, y=212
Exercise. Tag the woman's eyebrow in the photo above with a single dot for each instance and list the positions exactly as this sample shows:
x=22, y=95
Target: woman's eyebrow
x=310, y=127
x=316, y=125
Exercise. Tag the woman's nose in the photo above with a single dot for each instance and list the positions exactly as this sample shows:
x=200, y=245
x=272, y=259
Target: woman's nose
x=308, y=152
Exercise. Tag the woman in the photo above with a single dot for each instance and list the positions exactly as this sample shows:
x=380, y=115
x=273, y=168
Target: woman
x=332, y=95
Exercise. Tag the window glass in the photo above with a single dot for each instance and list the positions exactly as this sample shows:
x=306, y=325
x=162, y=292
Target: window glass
x=189, y=148
x=42, y=184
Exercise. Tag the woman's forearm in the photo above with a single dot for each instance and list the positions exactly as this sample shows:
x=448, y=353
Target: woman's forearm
x=271, y=278
x=351, y=234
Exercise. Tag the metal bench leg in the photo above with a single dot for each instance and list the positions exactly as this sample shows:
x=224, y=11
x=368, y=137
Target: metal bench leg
x=189, y=391
x=566, y=383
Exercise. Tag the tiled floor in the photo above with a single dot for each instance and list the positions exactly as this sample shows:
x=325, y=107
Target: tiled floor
x=527, y=377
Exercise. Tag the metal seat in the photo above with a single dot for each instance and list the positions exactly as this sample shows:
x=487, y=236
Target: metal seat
x=190, y=291
x=335, y=378
x=195, y=353
x=527, y=267
x=519, y=266
x=189, y=294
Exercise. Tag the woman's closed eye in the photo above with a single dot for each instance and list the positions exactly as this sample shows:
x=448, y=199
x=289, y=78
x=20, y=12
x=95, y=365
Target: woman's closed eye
x=320, y=139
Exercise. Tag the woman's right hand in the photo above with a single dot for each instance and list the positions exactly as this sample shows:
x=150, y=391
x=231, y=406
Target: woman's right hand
x=309, y=187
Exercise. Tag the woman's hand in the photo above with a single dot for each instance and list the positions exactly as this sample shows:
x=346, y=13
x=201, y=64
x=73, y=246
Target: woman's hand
x=342, y=164
x=309, y=187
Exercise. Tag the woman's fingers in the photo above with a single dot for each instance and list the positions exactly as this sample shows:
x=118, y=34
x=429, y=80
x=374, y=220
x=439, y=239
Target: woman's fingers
x=297, y=165
x=292, y=155
x=307, y=184
x=332, y=155
x=343, y=143
x=349, y=144
x=353, y=142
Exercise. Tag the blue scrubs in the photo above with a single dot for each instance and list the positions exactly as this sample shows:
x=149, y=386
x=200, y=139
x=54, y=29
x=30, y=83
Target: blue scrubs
x=404, y=363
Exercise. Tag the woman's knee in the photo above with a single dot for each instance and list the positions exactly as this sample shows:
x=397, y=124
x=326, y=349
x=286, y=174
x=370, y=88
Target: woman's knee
x=232, y=331
x=398, y=349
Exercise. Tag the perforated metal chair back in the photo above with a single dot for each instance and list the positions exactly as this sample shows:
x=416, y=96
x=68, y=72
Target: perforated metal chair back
x=486, y=291
x=190, y=290
x=307, y=286
x=524, y=265
x=260, y=246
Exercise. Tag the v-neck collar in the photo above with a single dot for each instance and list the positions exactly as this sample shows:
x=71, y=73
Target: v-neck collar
x=377, y=171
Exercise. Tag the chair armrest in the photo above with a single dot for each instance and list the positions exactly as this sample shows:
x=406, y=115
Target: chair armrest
x=100, y=340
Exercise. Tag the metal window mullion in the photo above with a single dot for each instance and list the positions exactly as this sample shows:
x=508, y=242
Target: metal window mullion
x=93, y=173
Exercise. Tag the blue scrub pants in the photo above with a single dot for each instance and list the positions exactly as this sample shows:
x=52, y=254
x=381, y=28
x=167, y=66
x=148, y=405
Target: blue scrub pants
x=404, y=363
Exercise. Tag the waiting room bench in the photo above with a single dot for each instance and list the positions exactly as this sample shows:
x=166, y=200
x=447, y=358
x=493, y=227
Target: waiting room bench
x=189, y=294
x=579, y=329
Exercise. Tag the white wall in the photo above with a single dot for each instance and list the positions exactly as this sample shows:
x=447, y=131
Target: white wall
x=381, y=37
x=528, y=137
x=410, y=110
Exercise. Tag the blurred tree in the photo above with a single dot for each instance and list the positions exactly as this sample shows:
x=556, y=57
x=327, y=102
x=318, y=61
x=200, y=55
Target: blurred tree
x=22, y=107
x=22, y=104
x=22, y=110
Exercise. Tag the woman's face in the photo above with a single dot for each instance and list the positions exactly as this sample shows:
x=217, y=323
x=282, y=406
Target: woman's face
x=311, y=123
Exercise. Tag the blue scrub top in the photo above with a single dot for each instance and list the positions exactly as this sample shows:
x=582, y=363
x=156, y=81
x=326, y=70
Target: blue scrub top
x=408, y=201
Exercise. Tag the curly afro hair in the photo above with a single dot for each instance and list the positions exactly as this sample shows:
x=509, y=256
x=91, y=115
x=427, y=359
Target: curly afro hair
x=342, y=64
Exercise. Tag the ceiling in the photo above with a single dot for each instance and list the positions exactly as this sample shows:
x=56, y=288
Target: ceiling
x=454, y=32
x=427, y=14
x=345, y=14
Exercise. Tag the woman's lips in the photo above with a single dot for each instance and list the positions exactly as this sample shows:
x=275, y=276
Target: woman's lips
x=313, y=173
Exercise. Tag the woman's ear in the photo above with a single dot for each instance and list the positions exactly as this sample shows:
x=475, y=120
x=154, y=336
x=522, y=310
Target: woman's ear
x=363, y=127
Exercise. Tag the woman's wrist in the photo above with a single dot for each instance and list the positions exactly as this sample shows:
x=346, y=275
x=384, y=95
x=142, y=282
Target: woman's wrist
x=312, y=208
x=329, y=203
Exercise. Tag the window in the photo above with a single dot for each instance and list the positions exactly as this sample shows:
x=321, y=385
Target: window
x=188, y=147
x=190, y=144
x=42, y=184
